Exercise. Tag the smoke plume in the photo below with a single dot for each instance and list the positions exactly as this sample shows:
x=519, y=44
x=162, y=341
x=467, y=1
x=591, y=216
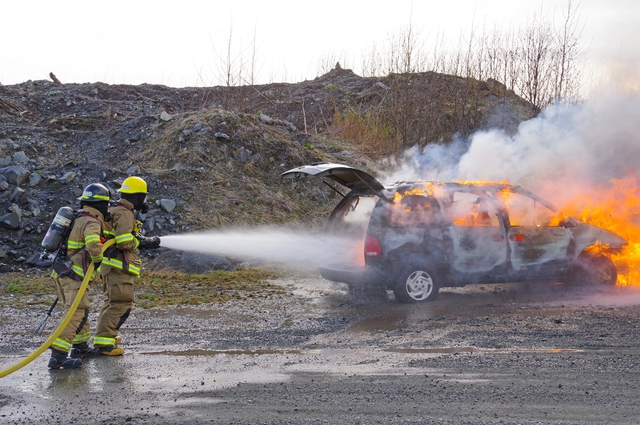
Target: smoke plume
x=562, y=151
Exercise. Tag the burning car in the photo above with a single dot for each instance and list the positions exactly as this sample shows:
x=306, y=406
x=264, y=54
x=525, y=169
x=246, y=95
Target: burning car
x=417, y=237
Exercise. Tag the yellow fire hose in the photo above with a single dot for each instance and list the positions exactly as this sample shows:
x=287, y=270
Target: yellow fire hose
x=65, y=320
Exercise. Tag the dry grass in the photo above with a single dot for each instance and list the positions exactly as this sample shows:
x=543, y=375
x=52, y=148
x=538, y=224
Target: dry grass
x=369, y=132
x=153, y=289
x=156, y=289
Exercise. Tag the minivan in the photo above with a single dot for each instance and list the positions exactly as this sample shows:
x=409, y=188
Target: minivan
x=417, y=237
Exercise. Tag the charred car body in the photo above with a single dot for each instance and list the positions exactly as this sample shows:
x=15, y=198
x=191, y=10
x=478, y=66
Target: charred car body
x=416, y=237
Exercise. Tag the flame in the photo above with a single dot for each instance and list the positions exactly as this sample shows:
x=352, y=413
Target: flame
x=428, y=189
x=403, y=214
x=614, y=207
x=481, y=182
x=506, y=195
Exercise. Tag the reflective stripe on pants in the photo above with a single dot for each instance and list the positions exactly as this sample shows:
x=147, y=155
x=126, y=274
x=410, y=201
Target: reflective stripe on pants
x=67, y=289
x=117, y=286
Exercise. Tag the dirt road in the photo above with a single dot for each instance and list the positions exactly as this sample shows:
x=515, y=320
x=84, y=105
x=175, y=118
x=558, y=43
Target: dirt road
x=491, y=354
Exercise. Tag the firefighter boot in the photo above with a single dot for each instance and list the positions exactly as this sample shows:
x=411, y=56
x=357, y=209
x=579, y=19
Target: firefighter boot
x=59, y=360
x=111, y=350
x=83, y=350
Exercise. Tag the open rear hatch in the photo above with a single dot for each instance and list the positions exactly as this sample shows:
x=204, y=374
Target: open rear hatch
x=360, y=183
x=352, y=178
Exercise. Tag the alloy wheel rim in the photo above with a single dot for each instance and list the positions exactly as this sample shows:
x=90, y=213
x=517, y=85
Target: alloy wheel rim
x=419, y=285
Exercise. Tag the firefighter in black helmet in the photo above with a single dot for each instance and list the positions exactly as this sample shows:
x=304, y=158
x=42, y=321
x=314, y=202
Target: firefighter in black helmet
x=84, y=246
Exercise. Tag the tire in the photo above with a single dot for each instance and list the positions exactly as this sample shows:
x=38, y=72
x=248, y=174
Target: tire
x=415, y=284
x=594, y=271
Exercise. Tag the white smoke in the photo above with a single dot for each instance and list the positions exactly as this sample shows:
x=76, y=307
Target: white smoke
x=565, y=148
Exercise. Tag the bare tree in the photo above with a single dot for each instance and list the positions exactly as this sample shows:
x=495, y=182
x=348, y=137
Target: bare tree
x=253, y=70
x=328, y=61
x=371, y=62
x=567, y=78
x=538, y=61
x=537, y=55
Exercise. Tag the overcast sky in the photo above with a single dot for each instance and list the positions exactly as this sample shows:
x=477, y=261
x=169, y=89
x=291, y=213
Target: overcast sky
x=179, y=43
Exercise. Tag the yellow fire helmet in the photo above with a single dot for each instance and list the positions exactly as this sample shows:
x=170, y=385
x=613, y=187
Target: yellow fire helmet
x=133, y=184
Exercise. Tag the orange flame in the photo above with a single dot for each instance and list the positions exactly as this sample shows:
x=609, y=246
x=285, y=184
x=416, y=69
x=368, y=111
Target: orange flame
x=615, y=208
x=427, y=189
x=506, y=195
x=483, y=181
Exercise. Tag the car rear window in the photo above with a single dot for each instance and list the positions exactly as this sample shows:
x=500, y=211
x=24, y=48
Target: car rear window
x=352, y=219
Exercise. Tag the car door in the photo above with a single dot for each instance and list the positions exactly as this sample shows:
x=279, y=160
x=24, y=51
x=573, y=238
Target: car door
x=477, y=233
x=534, y=234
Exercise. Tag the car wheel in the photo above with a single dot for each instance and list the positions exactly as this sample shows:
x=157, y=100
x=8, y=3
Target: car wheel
x=416, y=284
x=590, y=271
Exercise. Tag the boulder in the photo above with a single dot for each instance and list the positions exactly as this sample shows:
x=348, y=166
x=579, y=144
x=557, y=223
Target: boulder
x=10, y=221
x=15, y=174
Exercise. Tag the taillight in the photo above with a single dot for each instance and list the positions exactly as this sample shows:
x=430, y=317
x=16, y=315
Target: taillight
x=372, y=247
x=516, y=237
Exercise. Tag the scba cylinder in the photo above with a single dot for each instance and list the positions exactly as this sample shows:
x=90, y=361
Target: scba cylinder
x=58, y=229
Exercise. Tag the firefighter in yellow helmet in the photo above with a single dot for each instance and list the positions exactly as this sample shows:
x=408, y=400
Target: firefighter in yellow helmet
x=84, y=245
x=121, y=263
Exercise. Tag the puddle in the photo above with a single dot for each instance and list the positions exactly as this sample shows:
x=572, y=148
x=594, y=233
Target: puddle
x=380, y=323
x=432, y=350
x=453, y=350
x=449, y=309
x=443, y=350
x=194, y=353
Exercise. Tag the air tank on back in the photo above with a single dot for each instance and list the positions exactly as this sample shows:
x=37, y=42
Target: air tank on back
x=58, y=229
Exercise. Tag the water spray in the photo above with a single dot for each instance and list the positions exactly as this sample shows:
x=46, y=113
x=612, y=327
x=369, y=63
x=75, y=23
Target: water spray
x=269, y=244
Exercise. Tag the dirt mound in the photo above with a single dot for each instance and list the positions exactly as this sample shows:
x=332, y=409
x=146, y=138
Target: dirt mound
x=211, y=156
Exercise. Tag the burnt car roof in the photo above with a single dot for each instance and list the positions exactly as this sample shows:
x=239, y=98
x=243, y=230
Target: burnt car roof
x=483, y=186
x=362, y=183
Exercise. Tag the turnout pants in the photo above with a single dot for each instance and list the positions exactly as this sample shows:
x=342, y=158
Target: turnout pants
x=78, y=329
x=117, y=286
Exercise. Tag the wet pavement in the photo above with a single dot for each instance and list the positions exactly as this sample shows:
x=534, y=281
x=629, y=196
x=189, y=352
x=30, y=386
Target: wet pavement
x=522, y=353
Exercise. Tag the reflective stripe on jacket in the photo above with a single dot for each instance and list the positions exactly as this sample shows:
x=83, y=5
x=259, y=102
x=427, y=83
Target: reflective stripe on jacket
x=85, y=238
x=121, y=228
x=118, y=264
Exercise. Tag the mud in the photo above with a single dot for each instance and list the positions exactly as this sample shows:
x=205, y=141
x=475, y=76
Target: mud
x=494, y=354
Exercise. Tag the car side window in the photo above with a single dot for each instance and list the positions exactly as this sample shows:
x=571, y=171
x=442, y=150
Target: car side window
x=526, y=211
x=471, y=209
x=413, y=210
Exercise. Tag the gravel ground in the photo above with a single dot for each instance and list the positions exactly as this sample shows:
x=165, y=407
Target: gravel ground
x=491, y=354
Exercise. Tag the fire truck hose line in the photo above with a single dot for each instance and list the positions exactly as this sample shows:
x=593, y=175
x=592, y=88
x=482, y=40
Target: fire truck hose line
x=57, y=331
